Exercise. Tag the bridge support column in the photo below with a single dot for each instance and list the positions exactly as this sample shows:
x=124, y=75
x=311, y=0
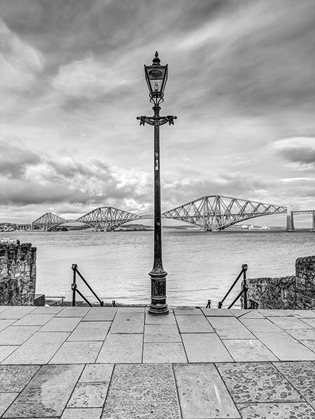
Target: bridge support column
x=290, y=220
x=313, y=219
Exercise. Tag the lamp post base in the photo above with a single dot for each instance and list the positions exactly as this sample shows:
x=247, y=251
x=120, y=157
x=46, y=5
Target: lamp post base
x=158, y=293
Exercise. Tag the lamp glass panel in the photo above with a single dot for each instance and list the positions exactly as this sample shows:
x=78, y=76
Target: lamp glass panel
x=156, y=78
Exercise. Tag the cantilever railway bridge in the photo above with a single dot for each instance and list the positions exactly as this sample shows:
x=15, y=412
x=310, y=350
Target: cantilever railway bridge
x=209, y=213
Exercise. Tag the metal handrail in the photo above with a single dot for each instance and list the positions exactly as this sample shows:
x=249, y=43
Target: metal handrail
x=243, y=291
x=75, y=288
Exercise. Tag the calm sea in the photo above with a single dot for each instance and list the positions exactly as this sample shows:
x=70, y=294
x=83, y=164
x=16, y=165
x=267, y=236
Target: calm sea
x=200, y=265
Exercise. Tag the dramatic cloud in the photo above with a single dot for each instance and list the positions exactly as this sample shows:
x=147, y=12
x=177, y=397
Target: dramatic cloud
x=299, y=150
x=20, y=64
x=14, y=160
x=241, y=81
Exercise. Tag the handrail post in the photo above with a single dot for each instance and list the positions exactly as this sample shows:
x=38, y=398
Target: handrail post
x=244, y=266
x=244, y=289
x=74, y=284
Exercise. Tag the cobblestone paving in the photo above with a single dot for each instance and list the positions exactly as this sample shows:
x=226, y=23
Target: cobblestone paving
x=125, y=363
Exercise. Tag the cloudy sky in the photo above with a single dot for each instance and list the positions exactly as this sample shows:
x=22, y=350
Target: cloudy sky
x=241, y=82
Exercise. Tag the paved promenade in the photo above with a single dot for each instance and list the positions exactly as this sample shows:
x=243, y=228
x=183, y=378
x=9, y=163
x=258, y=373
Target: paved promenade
x=64, y=362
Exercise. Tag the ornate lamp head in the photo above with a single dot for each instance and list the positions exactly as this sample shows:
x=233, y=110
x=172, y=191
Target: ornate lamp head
x=156, y=78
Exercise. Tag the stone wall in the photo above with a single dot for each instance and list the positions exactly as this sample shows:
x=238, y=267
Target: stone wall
x=305, y=282
x=17, y=273
x=292, y=292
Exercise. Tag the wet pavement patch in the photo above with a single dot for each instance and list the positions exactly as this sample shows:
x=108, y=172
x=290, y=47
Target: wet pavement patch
x=47, y=393
x=142, y=391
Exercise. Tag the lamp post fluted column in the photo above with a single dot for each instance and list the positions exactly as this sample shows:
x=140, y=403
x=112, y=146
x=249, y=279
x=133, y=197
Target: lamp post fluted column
x=158, y=274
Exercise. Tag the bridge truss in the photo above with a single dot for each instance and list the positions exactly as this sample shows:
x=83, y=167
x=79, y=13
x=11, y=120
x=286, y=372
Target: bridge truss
x=47, y=221
x=215, y=212
x=107, y=218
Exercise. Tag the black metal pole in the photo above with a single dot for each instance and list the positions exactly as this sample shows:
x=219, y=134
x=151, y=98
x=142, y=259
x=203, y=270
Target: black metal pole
x=157, y=274
x=245, y=289
x=74, y=284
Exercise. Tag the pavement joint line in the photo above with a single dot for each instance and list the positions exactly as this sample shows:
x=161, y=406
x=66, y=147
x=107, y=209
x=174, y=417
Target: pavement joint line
x=177, y=391
x=227, y=389
x=181, y=337
x=108, y=389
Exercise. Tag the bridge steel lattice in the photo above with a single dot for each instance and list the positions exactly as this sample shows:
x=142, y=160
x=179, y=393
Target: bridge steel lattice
x=107, y=218
x=215, y=212
x=47, y=221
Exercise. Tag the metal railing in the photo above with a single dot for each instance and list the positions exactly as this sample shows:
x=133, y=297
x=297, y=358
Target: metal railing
x=75, y=289
x=243, y=291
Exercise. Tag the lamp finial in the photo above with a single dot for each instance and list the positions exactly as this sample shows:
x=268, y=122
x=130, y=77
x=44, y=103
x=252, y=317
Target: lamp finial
x=156, y=60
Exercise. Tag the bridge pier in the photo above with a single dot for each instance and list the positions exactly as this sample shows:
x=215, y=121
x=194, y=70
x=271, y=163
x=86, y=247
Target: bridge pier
x=290, y=220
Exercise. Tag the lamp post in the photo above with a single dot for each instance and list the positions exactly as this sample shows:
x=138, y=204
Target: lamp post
x=156, y=78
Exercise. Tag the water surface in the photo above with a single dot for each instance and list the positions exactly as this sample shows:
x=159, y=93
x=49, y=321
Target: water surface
x=200, y=265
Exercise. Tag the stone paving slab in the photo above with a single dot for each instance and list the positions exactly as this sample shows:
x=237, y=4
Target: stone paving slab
x=4, y=323
x=34, y=319
x=128, y=322
x=202, y=392
x=121, y=348
x=285, y=347
x=4, y=308
x=100, y=314
x=77, y=352
x=217, y=312
x=73, y=312
x=15, y=336
x=302, y=376
x=160, y=319
x=6, y=399
x=16, y=312
x=275, y=312
x=257, y=382
x=88, y=395
x=162, y=334
x=308, y=334
x=276, y=411
x=193, y=324
x=260, y=325
x=147, y=391
x=310, y=344
x=289, y=323
x=97, y=373
x=15, y=378
x=47, y=394
x=205, y=348
x=306, y=313
x=140, y=309
x=5, y=351
x=252, y=314
x=164, y=353
x=90, y=331
x=48, y=309
x=187, y=311
x=249, y=351
x=39, y=349
x=309, y=321
x=240, y=312
x=61, y=324
x=233, y=329
x=82, y=413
